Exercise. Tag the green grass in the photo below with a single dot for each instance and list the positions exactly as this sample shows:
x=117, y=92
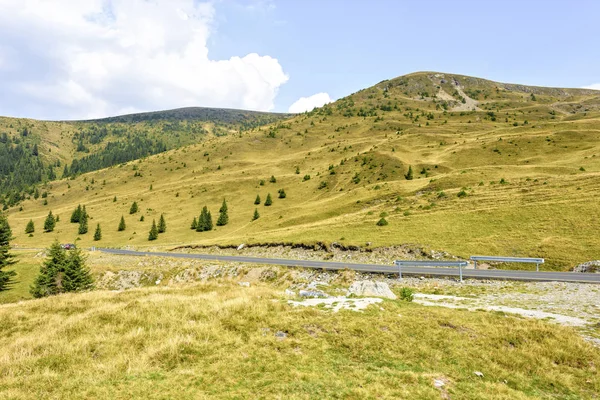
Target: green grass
x=537, y=211
x=218, y=340
x=27, y=268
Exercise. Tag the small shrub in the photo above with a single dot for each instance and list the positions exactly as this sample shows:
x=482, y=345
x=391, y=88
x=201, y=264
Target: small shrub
x=462, y=194
x=382, y=222
x=407, y=294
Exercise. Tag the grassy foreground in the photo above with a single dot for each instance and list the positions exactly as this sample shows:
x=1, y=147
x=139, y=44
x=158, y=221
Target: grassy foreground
x=218, y=340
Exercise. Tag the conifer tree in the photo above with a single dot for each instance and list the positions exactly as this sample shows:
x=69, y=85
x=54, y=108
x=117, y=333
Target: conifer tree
x=273, y=179
x=209, y=223
x=98, y=233
x=268, y=201
x=194, y=224
x=30, y=228
x=122, y=225
x=257, y=200
x=162, y=224
x=409, y=174
x=50, y=278
x=77, y=276
x=282, y=194
x=6, y=259
x=50, y=222
x=76, y=215
x=256, y=215
x=134, y=208
x=223, y=217
x=205, y=221
x=153, y=235
x=115, y=199
x=83, y=223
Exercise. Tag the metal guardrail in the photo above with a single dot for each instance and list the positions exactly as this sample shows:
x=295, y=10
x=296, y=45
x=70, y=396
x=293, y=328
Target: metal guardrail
x=536, y=261
x=402, y=263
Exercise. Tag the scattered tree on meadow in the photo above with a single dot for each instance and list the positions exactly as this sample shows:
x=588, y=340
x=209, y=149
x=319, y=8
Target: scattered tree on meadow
x=134, y=208
x=256, y=215
x=223, y=217
x=153, y=235
x=194, y=224
x=382, y=222
x=115, y=199
x=76, y=215
x=6, y=259
x=142, y=218
x=122, y=224
x=268, y=201
x=83, y=222
x=257, y=200
x=282, y=194
x=409, y=174
x=162, y=224
x=62, y=273
x=98, y=233
x=30, y=228
x=205, y=221
x=272, y=180
x=50, y=223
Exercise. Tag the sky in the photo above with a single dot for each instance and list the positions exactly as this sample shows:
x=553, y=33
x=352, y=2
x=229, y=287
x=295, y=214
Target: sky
x=79, y=59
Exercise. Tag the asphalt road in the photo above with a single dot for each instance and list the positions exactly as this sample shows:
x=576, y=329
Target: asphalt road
x=389, y=269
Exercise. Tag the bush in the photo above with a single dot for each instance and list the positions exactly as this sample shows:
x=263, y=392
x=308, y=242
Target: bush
x=306, y=178
x=382, y=222
x=322, y=185
x=409, y=174
x=407, y=294
x=462, y=194
x=282, y=194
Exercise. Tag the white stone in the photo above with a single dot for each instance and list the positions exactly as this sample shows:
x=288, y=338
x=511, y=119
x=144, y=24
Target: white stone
x=371, y=288
x=244, y=284
x=479, y=374
x=241, y=246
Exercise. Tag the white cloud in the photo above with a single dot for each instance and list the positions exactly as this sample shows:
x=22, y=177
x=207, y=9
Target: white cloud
x=595, y=86
x=309, y=103
x=94, y=58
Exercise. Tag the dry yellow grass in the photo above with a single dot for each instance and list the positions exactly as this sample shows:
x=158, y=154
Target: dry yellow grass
x=218, y=341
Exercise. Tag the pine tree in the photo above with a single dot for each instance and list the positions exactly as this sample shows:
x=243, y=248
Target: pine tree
x=382, y=222
x=30, y=228
x=142, y=218
x=134, y=208
x=122, y=225
x=282, y=194
x=162, y=225
x=205, y=221
x=272, y=180
x=83, y=224
x=409, y=174
x=115, y=199
x=209, y=223
x=76, y=216
x=256, y=215
x=50, y=279
x=50, y=223
x=257, y=200
x=194, y=224
x=223, y=217
x=6, y=259
x=268, y=201
x=153, y=235
x=77, y=276
x=98, y=233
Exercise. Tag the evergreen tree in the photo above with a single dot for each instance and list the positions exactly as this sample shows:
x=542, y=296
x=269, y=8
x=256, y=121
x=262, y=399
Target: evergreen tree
x=256, y=215
x=272, y=180
x=83, y=224
x=134, y=208
x=122, y=225
x=76, y=216
x=153, y=235
x=142, y=218
x=194, y=224
x=208, y=223
x=268, y=201
x=98, y=233
x=77, y=276
x=115, y=199
x=30, y=228
x=257, y=200
x=50, y=279
x=6, y=259
x=50, y=223
x=162, y=224
x=282, y=194
x=223, y=217
x=409, y=174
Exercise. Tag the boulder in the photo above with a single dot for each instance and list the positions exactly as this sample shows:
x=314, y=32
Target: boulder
x=371, y=288
x=588, y=267
x=313, y=293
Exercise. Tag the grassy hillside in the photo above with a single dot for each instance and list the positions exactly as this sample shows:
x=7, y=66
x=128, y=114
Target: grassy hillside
x=224, y=341
x=498, y=169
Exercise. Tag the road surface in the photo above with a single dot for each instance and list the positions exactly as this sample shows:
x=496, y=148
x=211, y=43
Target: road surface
x=389, y=269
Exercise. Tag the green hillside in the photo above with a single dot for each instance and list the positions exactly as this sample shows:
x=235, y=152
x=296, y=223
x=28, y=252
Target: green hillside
x=497, y=169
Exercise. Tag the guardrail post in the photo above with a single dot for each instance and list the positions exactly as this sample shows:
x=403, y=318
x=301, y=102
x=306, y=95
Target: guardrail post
x=475, y=264
x=537, y=267
x=460, y=271
x=399, y=270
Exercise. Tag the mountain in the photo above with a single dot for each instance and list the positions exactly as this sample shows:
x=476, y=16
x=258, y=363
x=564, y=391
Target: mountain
x=37, y=151
x=499, y=169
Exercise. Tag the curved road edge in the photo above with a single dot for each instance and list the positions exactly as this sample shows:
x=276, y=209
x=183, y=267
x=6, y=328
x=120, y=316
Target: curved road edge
x=385, y=269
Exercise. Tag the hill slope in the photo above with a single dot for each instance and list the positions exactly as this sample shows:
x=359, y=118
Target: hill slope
x=497, y=169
